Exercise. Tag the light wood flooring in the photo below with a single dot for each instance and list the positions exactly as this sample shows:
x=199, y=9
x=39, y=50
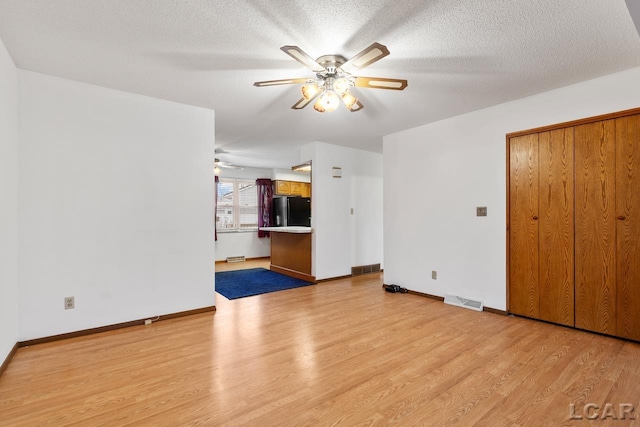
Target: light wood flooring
x=243, y=265
x=342, y=353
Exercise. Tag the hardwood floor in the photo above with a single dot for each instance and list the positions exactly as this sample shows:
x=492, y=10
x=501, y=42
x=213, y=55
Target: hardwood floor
x=342, y=352
x=243, y=265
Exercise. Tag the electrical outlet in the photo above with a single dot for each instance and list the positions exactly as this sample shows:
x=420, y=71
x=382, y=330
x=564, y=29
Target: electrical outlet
x=69, y=303
x=147, y=322
x=481, y=211
x=434, y=275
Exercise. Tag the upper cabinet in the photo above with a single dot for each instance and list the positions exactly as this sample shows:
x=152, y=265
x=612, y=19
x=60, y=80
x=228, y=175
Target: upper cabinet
x=306, y=189
x=282, y=188
x=296, y=188
x=292, y=188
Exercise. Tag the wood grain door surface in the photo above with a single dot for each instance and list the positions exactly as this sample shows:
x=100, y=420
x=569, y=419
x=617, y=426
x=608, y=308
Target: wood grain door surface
x=628, y=227
x=595, y=281
x=574, y=224
x=556, y=228
x=523, y=226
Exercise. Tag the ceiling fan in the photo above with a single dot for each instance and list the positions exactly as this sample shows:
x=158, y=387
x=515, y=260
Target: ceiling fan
x=226, y=165
x=334, y=77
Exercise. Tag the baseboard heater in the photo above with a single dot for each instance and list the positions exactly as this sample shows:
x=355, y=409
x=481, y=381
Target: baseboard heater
x=236, y=258
x=463, y=302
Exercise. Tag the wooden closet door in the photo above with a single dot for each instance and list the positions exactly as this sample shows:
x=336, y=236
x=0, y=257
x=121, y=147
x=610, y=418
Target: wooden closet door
x=523, y=225
x=556, y=228
x=628, y=226
x=595, y=220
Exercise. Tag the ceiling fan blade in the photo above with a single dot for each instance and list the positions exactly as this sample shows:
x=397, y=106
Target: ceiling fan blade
x=303, y=102
x=380, y=83
x=299, y=55
x=356, y=107
x=352, y=103
x=226, y=165
x=280, y=82
x=368, y=56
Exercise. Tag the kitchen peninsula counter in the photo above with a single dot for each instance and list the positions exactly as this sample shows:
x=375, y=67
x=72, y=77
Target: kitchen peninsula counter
x=291, y=251
x=292, y=229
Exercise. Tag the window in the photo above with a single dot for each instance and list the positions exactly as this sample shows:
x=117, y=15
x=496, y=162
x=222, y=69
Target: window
x=237, y=205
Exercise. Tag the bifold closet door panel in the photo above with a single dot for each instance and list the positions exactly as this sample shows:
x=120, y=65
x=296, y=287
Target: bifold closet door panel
x=523, y=226
x=595, y=227
x=628, y=226
x=556, y=227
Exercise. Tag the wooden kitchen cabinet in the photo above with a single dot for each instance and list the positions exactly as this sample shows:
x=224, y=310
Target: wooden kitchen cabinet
x=291, y=188
x=282, y=188
x=296, y=188
x=306, y=189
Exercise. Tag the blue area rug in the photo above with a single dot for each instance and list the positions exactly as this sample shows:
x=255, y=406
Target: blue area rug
x=254, y=281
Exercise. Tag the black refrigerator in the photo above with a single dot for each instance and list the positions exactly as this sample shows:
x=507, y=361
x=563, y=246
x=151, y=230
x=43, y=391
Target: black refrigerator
x=291, y=211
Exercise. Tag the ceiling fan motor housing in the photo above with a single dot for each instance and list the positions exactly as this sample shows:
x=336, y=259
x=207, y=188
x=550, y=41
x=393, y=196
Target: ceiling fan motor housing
x=331, y=63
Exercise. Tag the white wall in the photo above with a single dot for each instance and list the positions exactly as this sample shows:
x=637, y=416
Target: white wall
x=115, y=206
x=8, y=203
x=289, y=175
x=367, y=201
x=436, y=175
x=242, y=243
x=342, y=240
x=239, y=243
x=246, y=173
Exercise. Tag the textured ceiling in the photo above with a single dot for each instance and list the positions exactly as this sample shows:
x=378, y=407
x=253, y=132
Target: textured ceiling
x=458, y=56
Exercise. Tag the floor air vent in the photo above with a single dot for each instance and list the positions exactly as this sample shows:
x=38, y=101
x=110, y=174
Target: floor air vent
x=463, y=302
x=235, y=259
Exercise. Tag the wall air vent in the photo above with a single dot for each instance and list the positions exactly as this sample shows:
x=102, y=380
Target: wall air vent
x=463, y=302
x=364, y=269
x=236, y=259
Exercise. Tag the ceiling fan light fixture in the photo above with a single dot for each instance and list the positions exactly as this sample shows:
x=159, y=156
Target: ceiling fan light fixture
x=350, y=101
x=310, y=90
x=341, y=85
x=329, y=101
x=318, y=107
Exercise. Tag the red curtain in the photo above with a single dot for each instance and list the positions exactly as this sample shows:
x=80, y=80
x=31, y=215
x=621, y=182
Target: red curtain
x=265, y=202
x=215, y=210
